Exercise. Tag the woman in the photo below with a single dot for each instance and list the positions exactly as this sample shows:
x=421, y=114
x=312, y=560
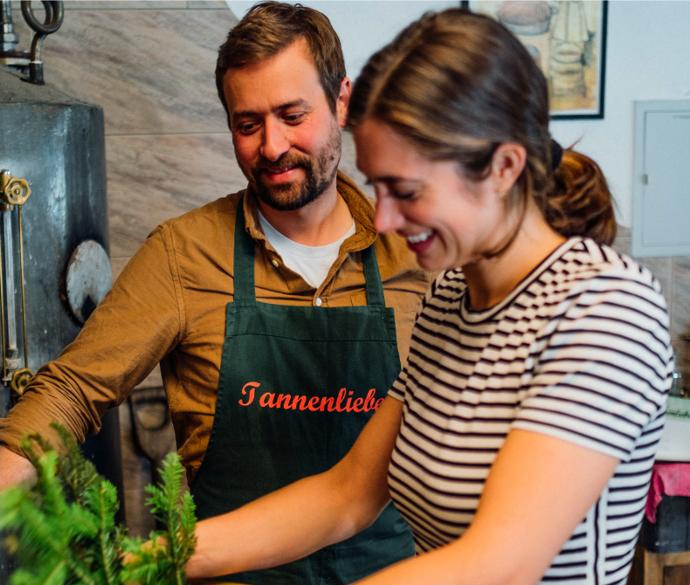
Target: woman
x=518, y=440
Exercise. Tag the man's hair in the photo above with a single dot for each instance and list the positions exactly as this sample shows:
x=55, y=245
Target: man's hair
x=268, y=28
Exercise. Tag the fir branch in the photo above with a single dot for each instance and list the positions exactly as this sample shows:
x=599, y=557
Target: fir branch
x=172, y=508
x=63, y=529
x=45, y=532
x=162, y=559
x=77, y=473
x=102, y=500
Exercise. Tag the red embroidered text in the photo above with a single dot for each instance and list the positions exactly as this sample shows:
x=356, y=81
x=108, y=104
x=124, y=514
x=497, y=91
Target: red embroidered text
x=344, y=401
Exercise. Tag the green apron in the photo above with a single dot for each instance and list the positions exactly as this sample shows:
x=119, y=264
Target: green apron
x=297, y=385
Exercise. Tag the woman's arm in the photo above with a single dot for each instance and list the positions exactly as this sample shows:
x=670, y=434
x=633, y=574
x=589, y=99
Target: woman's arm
x=306, y=515
x=538, y=491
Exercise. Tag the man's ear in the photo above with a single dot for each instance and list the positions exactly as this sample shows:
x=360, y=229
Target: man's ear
x=343, y=101
x=507, y=164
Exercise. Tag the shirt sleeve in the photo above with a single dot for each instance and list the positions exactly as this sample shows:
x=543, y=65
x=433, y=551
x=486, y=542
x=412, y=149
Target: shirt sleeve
x=602, y=366
x=135, y=325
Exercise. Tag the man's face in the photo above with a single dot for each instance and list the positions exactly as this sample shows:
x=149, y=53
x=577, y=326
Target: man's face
x=287, y=140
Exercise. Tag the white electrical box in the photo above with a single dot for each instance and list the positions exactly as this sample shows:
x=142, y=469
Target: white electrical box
x=661, y=179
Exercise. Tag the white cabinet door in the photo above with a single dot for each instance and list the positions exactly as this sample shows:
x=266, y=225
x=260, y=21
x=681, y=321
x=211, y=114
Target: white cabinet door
x=661, y=182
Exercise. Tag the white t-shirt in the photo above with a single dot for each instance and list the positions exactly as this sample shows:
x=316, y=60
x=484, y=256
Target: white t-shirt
x=311, y=262
x=581, y=351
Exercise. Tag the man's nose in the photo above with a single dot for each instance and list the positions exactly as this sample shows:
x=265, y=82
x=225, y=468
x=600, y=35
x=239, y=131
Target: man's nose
x=275, y=143
x=388, y=217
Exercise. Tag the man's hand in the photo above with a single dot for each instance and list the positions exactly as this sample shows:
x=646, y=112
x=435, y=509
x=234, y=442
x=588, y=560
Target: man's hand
x=14, y=469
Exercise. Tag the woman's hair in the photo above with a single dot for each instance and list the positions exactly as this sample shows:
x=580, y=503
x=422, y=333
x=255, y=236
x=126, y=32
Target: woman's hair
x=580, y=203
x=458, y=85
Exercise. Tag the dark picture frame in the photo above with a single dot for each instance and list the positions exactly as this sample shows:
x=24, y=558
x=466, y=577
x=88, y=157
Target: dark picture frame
x=567, y=38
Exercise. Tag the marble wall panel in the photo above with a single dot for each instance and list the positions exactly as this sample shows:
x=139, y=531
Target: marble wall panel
x=117, y=264
x=348, y=163
x=154, y=178
x=152, y=71
x=680, y=299
x=622, y=241
x=126, y=4
x=682, y=354
x=207, y=4
x=661, y=268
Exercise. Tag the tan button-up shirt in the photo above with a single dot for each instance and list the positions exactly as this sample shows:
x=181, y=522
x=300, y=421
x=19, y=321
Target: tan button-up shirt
x=168, y=306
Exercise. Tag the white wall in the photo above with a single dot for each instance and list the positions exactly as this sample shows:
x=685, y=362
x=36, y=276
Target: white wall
x=648, y=57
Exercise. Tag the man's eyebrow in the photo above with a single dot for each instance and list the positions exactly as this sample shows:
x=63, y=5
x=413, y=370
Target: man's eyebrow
x=292, y=104
x=284, y=106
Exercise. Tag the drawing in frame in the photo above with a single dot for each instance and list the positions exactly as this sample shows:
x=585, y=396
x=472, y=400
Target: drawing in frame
x=567, y=38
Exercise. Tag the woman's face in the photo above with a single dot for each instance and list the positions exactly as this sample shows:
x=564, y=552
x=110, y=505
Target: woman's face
x=447, y=219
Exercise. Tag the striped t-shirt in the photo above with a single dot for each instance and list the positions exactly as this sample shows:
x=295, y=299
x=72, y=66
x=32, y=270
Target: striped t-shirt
x=580, y=350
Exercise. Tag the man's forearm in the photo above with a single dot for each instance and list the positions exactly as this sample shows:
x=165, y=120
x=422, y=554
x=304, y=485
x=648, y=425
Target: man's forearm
x=14, y=469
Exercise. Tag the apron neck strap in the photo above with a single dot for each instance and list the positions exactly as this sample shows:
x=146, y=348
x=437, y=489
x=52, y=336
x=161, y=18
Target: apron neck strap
x=244, y=260
x=372, y=278
x=244, y=267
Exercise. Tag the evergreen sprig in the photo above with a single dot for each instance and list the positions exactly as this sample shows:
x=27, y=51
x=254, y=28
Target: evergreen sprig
x=63, y=531
x=163, y=558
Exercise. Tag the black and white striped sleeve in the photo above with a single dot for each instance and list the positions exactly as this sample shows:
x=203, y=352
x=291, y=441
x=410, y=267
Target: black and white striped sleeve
x=602, y=366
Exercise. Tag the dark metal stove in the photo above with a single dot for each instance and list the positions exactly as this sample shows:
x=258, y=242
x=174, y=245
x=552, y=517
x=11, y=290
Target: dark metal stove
x=54, y=265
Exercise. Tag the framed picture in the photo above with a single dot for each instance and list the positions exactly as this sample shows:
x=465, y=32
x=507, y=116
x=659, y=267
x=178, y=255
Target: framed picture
x=567, y=38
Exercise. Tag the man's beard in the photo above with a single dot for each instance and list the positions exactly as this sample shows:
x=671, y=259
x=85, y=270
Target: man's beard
x=319, y=174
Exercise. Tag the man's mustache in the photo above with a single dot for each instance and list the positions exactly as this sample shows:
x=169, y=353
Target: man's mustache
x=285, y=162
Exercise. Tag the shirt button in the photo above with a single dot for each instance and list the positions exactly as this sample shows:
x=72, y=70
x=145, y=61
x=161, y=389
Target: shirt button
x=275, y=262
x=318, y=302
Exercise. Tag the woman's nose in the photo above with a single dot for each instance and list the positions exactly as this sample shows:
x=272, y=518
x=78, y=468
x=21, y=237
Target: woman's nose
x=388, y=217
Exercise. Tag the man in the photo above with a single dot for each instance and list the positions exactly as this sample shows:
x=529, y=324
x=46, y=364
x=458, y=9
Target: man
x=266, y=308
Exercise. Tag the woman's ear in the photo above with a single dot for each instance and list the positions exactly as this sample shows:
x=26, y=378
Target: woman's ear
x=507, y=164
x=343, y=101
